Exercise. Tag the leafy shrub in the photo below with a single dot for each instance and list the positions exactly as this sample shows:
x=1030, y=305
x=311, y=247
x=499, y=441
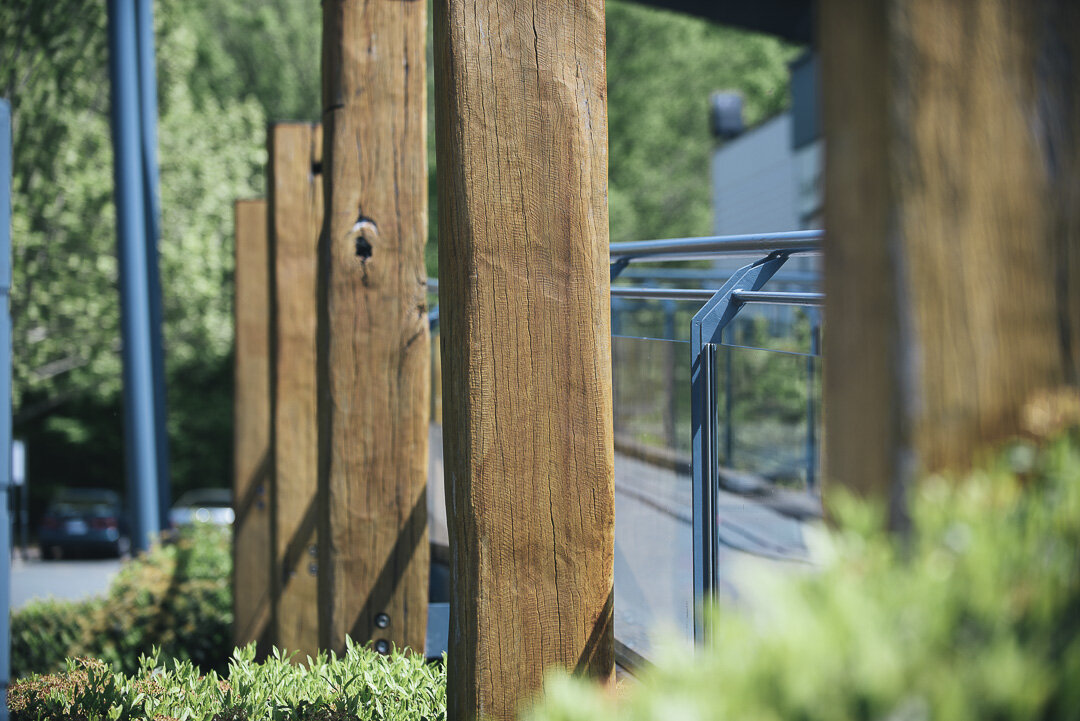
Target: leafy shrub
x=43, y=633
x=975, y=615
x=361, y=685
x=176, y=597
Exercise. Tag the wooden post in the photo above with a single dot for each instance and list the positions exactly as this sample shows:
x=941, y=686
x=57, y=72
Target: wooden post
x=526, y=348
x=373, y=329
x=251, y=430
x=952, y=197
x=295, y=220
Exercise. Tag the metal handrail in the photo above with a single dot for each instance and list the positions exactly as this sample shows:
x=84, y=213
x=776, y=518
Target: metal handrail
x=795, y=241
x=777, y=297
x=629, y=291
x=792, y=241
x=711, y=275
x=704, y=294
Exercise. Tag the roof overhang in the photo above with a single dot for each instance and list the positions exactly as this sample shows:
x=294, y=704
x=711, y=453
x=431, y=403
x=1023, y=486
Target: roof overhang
x=792, y=20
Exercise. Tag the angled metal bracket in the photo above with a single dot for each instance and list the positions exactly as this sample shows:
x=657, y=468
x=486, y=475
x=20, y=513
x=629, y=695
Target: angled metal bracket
x=618, y=266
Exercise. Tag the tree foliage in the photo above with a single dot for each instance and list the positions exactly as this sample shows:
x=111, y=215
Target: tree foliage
x=266, y=50
x=662, y=69
x=224, y=71
x=65, y=305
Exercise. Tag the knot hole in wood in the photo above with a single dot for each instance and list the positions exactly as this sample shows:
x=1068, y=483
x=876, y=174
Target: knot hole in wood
x=364, y=233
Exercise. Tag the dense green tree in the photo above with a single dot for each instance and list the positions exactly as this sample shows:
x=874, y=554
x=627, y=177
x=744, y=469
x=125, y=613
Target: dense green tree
x=262, y=49
x=65, y=306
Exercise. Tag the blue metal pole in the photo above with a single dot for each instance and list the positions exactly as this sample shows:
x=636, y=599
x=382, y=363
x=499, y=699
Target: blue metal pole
x=5, y=404
x=148, y=117
x=139, y=434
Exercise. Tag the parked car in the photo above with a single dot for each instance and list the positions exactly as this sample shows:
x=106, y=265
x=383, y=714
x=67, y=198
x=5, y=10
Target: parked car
x=206, y=505
x=84, y=521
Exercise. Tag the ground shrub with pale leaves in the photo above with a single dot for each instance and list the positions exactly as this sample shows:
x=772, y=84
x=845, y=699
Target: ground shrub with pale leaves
x=361, y=685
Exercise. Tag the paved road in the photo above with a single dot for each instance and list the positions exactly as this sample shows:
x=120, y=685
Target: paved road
x=69, y=580
x=654, y=572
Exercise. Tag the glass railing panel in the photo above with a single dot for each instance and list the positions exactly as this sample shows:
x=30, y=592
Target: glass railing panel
x=768, y=423
x=653, y=508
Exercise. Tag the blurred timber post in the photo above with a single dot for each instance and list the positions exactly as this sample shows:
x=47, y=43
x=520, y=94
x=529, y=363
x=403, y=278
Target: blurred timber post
x=294, y=186
x=252, y=555
x=952, y=265
x=374, y=380
x=520, y=102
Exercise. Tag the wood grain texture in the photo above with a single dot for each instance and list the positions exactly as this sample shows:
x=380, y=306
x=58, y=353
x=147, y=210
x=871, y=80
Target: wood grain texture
x=252, y=558
x=951, y=189
x=374, y=380
x=521, y=123
x=296, y=207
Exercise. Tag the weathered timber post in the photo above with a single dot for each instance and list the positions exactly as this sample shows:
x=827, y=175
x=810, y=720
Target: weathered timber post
x=526, y=348
x=953, y=220
x=251, y=429
x=373, y=328
x=295, y=189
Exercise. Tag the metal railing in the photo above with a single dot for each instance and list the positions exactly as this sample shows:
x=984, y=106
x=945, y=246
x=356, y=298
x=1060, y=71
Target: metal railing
x=725, y=295
x=720, y=307
x=777, y=297
x=681, y=248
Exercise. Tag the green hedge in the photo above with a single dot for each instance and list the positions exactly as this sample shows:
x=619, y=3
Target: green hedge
x=359, y=686
x=975, y=616
x=176, y=597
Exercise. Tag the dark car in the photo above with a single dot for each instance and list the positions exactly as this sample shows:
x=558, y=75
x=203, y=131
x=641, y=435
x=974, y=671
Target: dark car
x=83, y=521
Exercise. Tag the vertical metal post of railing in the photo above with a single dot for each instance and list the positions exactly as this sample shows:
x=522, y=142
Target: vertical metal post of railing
x=811, y=415
x=703, y=406
x=5, y=404
x=24, y=514
x=140, y=444
x=148, y=119
x=617, y=308
x=670, y=386
x=729, y=397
